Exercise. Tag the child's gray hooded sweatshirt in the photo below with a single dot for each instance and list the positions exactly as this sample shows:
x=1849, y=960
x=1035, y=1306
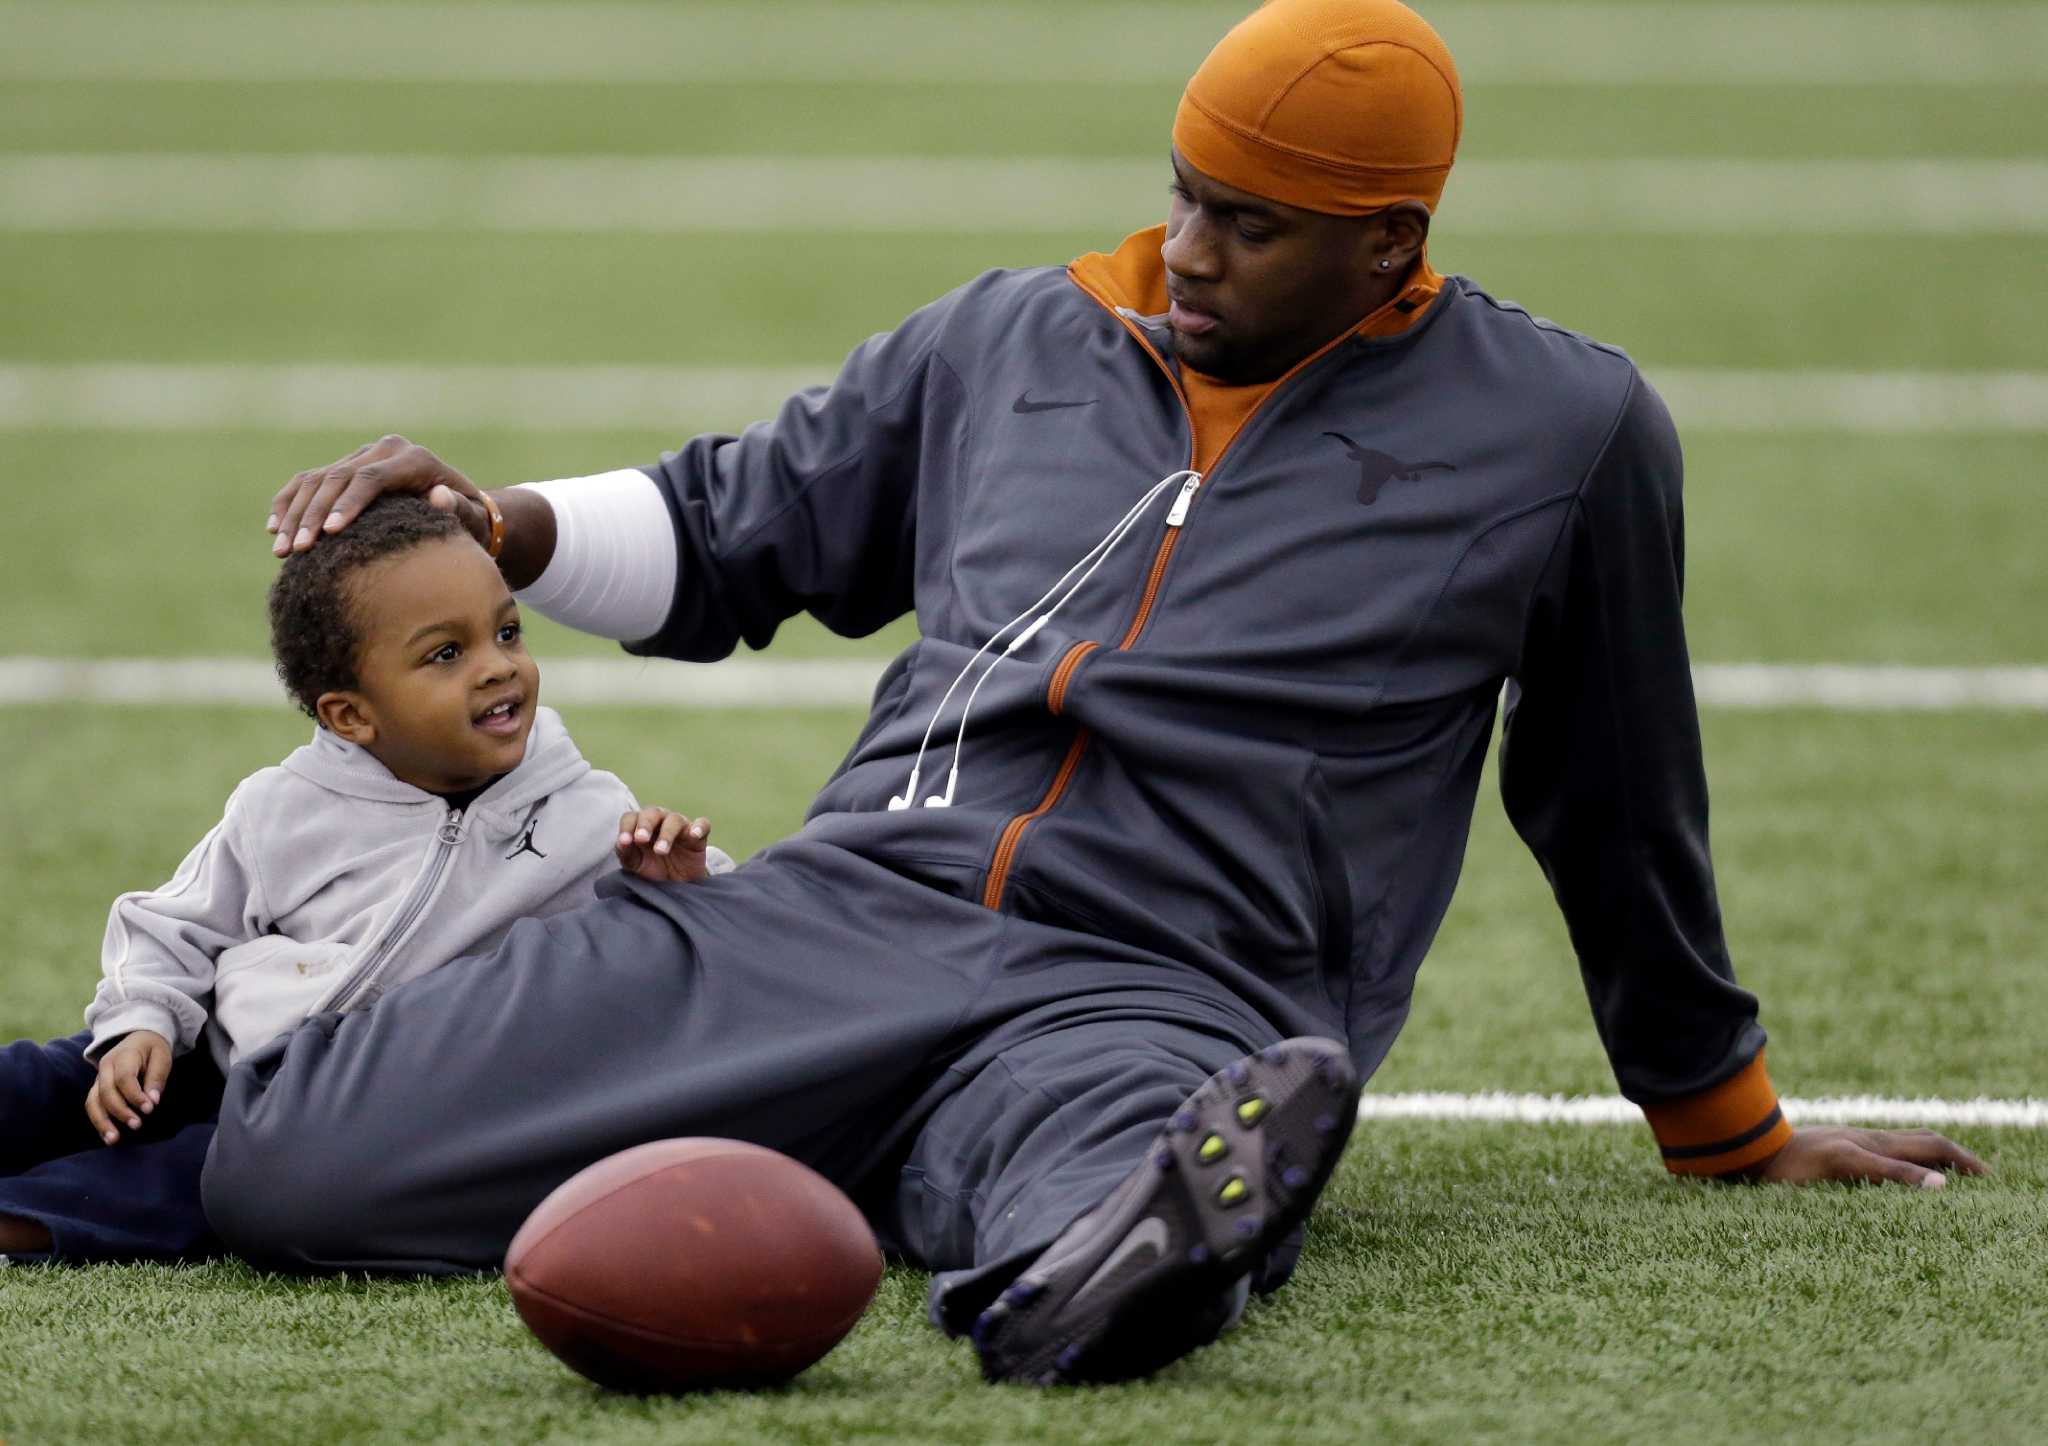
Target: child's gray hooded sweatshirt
x=328, y=882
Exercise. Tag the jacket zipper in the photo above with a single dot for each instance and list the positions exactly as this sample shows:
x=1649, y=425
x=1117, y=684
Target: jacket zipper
x=1056, y=691
x=1013, y=832
x=364, y=976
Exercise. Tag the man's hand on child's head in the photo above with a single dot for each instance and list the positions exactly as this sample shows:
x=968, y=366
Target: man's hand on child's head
x=329, y=498
x=131, y=1083
x=663, y=847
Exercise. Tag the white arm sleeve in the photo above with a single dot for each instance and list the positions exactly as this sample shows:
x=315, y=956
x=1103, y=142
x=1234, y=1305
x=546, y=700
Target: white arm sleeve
x=614, y=568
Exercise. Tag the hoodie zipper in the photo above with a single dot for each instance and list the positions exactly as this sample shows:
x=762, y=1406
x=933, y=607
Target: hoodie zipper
x=1013, y=833
x=363, y=977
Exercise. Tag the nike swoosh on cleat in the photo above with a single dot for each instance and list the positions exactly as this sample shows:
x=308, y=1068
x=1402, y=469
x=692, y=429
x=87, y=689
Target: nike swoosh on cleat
x=1025, y=404
x=1151, y=1231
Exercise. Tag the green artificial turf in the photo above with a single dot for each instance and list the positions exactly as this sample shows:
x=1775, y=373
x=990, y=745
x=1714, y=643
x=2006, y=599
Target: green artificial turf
x=1464, y=1282
x=1875, y=877
x=855, y=119
x=786, y=298
x=1800, y=548
x=90, y=544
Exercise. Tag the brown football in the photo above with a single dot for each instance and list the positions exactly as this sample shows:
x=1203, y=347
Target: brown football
x=688, y=1264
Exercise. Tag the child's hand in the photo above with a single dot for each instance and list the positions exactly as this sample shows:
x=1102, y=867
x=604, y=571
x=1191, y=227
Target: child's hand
x=131, y=1083
x=663, y=847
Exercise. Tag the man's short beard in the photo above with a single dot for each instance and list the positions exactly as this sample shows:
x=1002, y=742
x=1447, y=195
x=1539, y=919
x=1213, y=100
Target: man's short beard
x=1225, y=363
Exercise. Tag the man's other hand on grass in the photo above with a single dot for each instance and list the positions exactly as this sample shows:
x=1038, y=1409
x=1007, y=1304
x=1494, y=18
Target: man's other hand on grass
x=1837, y=1152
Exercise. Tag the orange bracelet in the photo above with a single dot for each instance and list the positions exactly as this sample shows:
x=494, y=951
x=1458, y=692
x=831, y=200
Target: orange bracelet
x=497, y=543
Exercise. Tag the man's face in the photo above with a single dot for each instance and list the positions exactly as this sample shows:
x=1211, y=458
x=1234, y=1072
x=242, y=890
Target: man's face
x=446, y=681
x=1255, y=285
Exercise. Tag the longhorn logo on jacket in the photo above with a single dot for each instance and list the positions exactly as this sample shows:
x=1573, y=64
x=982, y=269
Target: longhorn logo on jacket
x=1377, y=469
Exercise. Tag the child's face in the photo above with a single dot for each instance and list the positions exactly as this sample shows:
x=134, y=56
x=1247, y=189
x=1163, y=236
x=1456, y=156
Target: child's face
x=447, y=687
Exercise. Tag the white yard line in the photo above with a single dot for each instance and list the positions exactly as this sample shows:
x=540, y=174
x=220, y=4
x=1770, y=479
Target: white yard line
x=295, y=396
x=1048, y=41
x=1895, y=403
x=1845, y=687
x=924, y=195
x=760, y=683
x=586, y=682
x=147, y=396
x=2027, y=1114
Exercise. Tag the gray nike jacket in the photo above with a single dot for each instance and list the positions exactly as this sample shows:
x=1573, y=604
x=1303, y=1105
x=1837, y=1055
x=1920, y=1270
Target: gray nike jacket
x=1251, y=739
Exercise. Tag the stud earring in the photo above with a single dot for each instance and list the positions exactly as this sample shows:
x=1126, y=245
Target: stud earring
x=1386, y=265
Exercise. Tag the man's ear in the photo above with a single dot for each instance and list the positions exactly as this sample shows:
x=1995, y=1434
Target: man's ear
x=347, y=716
x=1403, y=229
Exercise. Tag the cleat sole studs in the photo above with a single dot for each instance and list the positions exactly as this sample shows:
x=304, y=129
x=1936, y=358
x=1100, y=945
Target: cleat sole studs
x=1036, y=1331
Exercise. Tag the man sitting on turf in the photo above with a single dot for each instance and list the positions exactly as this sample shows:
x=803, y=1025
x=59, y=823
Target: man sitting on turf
x=1294, y=507
x=437, y=805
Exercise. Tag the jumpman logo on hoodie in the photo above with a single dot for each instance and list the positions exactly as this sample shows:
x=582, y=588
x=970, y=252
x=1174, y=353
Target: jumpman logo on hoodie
x=526, y=839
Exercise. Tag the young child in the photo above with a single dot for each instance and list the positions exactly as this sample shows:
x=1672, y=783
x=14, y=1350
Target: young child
x=437, y=804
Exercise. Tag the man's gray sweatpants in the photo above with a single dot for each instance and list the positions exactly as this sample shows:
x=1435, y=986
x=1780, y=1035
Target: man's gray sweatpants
x=975, y=1080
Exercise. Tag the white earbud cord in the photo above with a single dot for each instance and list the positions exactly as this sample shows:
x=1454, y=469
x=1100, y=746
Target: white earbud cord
x=1089, y=560
x=1117, y=535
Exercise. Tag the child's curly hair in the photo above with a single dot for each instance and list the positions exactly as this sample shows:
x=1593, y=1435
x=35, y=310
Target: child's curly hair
x=313, y=632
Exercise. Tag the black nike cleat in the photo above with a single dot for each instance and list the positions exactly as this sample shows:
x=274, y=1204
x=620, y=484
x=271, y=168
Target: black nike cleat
x=1147, y=1275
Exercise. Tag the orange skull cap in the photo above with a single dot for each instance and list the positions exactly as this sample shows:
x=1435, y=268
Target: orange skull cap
x=1340, y=106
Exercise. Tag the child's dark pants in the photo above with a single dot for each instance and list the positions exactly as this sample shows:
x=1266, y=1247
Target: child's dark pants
x=138, y=1200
